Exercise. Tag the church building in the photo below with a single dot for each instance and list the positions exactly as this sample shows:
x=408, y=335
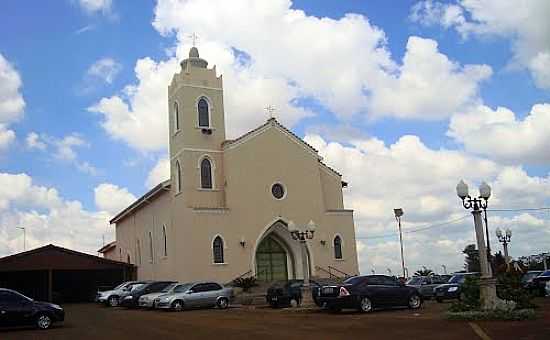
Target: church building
x=225, y=212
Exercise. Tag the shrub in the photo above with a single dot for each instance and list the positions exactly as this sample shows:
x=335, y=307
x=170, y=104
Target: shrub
x=245, y=283
x=509, y=288
x=469, y=296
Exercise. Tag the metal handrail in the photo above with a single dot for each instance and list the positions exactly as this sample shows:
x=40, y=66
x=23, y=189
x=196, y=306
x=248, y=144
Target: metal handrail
x=238, y=277
x=339, y=271
x=326, y=271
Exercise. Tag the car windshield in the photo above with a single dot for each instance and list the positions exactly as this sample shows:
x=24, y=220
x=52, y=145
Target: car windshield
x=169, y=288
x=457, y=279
x=353, y=280
x=136, y=286
x=122, y=285
x=415, y=281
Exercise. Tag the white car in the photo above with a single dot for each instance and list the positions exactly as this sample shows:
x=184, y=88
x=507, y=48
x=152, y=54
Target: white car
x=111, y=297
x=148, y=300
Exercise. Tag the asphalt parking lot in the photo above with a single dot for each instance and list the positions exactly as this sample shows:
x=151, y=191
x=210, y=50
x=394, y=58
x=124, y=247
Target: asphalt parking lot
x=90, y=321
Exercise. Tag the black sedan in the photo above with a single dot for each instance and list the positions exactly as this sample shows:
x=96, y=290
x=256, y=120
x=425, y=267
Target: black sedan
x=289, y=293
x=539, y=283
x=18, y=310
x=368, y=292
x=453, y=288
x=131, y=298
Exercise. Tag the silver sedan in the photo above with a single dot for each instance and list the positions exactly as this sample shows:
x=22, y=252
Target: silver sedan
x=148, y=300
x=196, y=295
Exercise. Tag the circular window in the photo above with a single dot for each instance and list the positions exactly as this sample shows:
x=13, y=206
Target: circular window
x=278, y=191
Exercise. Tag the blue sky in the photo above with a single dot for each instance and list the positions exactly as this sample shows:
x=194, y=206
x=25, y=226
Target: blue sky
x=53, y=47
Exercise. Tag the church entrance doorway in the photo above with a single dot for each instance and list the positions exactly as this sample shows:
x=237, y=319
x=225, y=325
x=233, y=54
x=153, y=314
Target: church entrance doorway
x=271, y=260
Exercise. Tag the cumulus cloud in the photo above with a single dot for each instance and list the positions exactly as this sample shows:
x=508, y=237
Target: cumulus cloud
x=96, y=6
x=112, y=199
x=34, y=141
x=500, y=135
x=6, y=137
x=47, y=218
x=422, y=181
x=105, y=69
x=12, y=103
x=350, y=71
x=159, y=173
x=524, y=23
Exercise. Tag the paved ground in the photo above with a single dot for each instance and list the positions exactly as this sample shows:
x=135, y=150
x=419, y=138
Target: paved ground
x=89, y=321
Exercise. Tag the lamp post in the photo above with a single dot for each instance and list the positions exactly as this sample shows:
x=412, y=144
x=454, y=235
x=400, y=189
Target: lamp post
x=444, y=268
x=24, y=237
x=504, y=238
x=398, y=213
x=487, y=283
x=302, y=235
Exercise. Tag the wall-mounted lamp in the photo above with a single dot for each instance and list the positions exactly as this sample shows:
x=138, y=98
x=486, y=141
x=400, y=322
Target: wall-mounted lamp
x=242, y=242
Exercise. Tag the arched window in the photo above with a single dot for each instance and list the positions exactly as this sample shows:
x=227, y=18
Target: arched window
x=206, y=174
x=178, y=177
x=217, y=250
x=204, y=113
x=176, y=117
x=151, y=247
x=338, y=247
x=164, y=240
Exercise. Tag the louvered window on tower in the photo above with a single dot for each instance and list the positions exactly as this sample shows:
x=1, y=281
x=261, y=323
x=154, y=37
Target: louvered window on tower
x=206, y=174
x=204, y=114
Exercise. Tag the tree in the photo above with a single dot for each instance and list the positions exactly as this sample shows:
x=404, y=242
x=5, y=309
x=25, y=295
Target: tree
x=472, y=258
x=424, y=272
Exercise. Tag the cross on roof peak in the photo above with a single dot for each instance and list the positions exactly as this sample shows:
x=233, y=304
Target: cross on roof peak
x=270, y=109
x=195, y=38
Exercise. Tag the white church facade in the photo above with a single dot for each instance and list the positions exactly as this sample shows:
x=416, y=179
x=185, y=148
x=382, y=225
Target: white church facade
x=226, y=208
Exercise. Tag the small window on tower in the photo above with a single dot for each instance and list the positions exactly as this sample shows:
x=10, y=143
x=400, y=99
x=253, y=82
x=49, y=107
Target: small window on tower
x=204, y=113
x=176, y=117
x=206, y=174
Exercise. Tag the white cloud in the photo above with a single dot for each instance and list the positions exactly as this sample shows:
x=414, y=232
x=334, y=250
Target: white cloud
x=47, y=218
x=159, y=173
x=12, y=103
x=525, y=23
x=349, y=71
x=499, y=134
x=422, y=181
x=95, y=6
x=34, y=141
x=105, y=69
x=112, y=199
x=6, y=137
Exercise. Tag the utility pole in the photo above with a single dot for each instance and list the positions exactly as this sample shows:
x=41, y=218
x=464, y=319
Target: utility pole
x=398, y=213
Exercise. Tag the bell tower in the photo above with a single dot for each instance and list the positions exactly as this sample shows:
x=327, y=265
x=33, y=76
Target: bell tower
x=197, y=124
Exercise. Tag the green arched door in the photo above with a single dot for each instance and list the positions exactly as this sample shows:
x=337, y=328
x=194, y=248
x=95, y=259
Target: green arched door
x=271, y=261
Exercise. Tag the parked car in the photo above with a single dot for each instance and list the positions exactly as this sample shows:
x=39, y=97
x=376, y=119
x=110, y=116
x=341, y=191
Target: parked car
x=289, y=293
x=369, y=292
x=452, y=289
x=527, y=279
x=539, y=283
x=131, y=298
x=426, y=284
x=18, y=310
x=148, y=300
x=111, y=297
x=196, y=295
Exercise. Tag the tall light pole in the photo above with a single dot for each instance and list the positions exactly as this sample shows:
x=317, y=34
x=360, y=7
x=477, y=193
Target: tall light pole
x=302, y=235
x=24, y=237
x=398, y=213
x=487, y=284
x=444, y=268
x=504, y=238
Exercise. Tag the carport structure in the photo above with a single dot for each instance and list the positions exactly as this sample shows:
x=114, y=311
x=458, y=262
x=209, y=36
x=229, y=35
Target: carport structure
x=52, y=273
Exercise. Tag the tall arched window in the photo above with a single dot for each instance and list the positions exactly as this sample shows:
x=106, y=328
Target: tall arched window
x=337, y=247
x=217, y=250
x=178, y=177
x=204, y=113
x=206, y=174
x=176, y=117
x=165, y=240
x=151, y=247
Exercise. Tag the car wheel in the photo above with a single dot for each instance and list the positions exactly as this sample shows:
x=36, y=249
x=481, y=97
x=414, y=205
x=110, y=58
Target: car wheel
x=112, y=301
x=177, y=305
x=222, y=303
x=415, y=302
x=365, y=305
x=294, y=303
x=43, y=321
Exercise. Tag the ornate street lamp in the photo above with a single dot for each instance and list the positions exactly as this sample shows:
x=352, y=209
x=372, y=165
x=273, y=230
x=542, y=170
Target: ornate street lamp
x=504, y=238
x=487, y=282
x=302, y=235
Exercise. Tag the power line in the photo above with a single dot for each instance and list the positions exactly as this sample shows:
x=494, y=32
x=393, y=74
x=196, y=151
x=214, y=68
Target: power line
x=519, y=209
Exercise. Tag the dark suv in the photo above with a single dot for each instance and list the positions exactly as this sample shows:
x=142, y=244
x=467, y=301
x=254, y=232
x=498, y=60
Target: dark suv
x=131, y=298
x=368, y=292
x=18, y=310
x=453, y=288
